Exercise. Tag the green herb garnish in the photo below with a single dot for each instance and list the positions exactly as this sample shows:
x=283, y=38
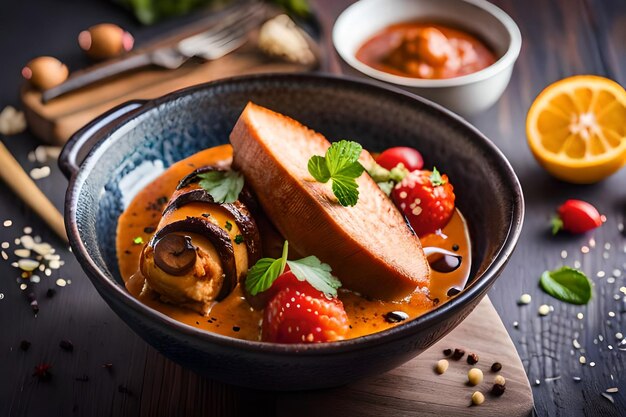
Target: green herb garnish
x=223, y=186
x=435, y=178
x=310, y=269
x=138, y=240
x=263, y=274
x=567, y=284
x=386, y=179
x=228, y=226
x=557, y=224
x=341, y=165
x=238, y=239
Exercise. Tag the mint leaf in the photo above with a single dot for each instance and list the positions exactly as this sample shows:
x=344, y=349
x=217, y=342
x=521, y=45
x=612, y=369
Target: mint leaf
x=316, y=273
x=223, y=186
x=263, y=274
x=341, y=165
x=435, y=178
x=318, y=169
x=567, y=284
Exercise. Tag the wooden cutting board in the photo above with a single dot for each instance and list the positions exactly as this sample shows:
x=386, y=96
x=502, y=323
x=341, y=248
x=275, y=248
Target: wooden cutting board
x=413, y=389
x=55, y=121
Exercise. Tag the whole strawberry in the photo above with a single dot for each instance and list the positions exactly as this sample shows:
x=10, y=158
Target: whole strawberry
x=426, y=198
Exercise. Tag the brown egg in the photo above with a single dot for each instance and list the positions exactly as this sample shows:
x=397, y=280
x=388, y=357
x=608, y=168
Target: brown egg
x=45, y=72
x=105, y=40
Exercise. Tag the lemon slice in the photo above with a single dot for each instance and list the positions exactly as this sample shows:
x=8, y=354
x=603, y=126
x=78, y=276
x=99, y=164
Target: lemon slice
x=576, y=128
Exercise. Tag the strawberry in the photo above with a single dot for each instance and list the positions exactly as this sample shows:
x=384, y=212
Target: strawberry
x=426, y=198
x=576, y=216
x=298, y=313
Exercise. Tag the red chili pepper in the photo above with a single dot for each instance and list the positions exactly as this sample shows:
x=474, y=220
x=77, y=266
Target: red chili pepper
x=576, y=216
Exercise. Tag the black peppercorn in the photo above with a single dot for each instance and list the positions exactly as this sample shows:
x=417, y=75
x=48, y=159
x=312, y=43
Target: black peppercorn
x=447, y=352
x=472, y=358
x=496, y=367
x=498, y=389
x=458, y=354
x=66, y=345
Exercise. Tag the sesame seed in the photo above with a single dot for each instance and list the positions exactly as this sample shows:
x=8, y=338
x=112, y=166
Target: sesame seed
x=7, y=223
x=544, y=310
x=605, y=255
x=619, y=336
x=610, y=280
x=611, y=314
x=403, y=194
x=576, y=344
x=592, y=242
x=61, y=282
x=5, y=245
x=592, y=364
x=584, y=249
x=600, y=274
x=582, y=360
x=617, y=273
x=28, y=230
x=580, y=316
x=563, y=254
x=576, y=264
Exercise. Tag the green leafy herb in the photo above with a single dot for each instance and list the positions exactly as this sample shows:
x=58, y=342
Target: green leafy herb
x=228, y=226
x=223, y=186
x=138, y=240
x=567, y=284
x=435, y=178
x=341, y=165
x=238, y=239
x=263, y=274
x=310, y=269
x=316, y=273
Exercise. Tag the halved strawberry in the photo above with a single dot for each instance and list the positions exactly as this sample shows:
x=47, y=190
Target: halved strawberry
x=298, y=313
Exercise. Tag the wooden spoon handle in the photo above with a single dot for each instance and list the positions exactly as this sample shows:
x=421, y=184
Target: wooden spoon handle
x=18, y=180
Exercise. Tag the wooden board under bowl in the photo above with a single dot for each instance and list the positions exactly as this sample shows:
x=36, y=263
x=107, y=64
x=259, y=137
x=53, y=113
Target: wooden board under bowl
x=413, y=389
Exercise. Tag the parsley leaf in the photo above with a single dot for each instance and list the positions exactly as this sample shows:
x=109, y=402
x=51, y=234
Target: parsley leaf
x=310, y=269
x=224, y=186
x=341, y=165
x=316, y=273
x=263, y=274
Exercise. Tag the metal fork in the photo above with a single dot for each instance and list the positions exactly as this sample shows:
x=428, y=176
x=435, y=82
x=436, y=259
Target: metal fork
x=228, y=34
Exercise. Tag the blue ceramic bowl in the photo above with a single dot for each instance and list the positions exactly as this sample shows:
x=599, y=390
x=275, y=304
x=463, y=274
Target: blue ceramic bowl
x=135, y=140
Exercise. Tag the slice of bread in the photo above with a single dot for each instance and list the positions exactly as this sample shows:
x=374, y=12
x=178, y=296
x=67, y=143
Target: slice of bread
x=369, y=246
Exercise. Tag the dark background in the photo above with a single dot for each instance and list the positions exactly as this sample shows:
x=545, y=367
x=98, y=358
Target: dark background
x=561, y=38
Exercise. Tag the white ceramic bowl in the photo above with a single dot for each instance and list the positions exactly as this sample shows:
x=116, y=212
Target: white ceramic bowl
x=466, y=95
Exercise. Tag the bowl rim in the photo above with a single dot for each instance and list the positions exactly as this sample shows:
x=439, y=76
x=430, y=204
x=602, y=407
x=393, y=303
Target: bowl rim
x=504, y=62
x=480, y=285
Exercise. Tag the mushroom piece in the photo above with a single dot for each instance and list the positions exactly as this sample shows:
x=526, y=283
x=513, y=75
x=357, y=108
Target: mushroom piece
x=175, y=254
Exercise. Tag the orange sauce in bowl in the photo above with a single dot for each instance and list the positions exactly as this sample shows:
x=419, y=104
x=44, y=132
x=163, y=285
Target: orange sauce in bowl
x=233, y=316
x=425, y=50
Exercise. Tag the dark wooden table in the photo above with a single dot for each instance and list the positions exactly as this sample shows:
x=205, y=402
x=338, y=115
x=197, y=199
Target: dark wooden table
x=561, y=38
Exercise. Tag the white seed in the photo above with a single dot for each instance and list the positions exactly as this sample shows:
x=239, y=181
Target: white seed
x=563, y=254
x=582, y=360
x=584, y=249
x=576, y=344
x=610, y=280
x=478, y=398
x=592, y=364
x=580, y=316
x=524, y=299
x=544, y=310
x=607, y=246
x=35, y=279
x=23, y=287
x=22, y=253
x=61, y=282
x=619, y=336
x=499, y=379
x=611, y=314
x=28, y=230
x=27, y=265
x=27, y=241
x=7, y=223
x=442, y=366
x=612, y=390
x=577, y=264
x=617, y=273
x=4, y=255
x=39, y=173
x=5, y=245
x=475, y=376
